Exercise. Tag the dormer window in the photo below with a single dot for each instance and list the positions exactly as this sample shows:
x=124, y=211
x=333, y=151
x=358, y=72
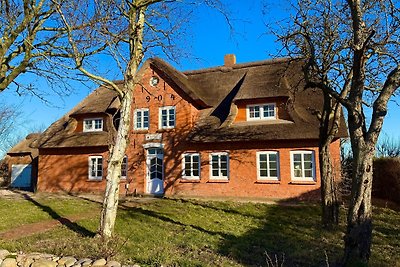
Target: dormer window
x=93, y=125
x=261, y=111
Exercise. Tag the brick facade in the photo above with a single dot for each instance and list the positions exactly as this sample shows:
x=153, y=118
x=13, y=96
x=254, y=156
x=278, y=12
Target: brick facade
x=67, y=169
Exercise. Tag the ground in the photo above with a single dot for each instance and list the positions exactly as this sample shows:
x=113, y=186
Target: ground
x=187, y=232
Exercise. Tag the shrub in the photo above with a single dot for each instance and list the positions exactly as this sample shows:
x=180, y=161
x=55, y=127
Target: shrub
x=386, y=183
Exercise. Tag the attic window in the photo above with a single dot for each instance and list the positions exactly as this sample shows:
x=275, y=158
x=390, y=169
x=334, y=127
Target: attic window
x=261, y=111
x=93, y=125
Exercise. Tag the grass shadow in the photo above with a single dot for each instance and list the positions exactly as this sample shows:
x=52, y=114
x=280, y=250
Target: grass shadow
x=64, y=221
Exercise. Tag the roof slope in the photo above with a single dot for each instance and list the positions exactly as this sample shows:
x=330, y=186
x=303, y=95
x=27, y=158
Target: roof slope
x=61, y=133
x=26, y=146
x=215, y=92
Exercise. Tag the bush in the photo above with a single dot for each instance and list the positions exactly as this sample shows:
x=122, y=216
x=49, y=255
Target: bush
x=386, y=183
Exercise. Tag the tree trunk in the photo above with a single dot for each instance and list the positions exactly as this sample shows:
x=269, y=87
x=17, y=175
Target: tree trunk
x=329, y=198
x=359, y=220
x=117, y=153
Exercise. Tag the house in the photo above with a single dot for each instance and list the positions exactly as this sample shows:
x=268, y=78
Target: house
x=22, y=162
x=238, y=130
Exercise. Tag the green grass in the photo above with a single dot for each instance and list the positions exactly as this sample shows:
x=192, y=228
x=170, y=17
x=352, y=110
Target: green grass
x=201, y=233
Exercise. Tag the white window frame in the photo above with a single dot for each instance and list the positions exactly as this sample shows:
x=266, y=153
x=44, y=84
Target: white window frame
x=96, y=178
x=220, y=176
x=160, y=120
x=93, y=128
x=261, y=107
x=141, y=111
x=191, y=176
x=268, y=177
x=303, y=178
x=124, y=165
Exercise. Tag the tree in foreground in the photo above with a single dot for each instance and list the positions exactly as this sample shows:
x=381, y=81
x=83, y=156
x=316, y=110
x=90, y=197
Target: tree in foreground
x=351, y=50
x=126, y=31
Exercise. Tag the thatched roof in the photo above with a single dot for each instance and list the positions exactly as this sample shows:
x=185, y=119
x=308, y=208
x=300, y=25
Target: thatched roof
x=26, y=146
x=215, y=92
x=61, y=133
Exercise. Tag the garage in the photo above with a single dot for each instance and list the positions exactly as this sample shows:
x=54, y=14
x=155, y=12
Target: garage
x=21, y=175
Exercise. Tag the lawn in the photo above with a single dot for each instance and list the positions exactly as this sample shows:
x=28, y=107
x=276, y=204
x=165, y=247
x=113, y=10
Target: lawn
x=171, y=232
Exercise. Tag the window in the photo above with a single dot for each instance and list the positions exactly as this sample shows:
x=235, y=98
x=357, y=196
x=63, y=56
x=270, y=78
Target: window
x=141, y=119
x=261, y=112
x=95, y=168
x=302, y=165
x=191, y=166
x=219, y=166
x=268, y=165
x=167, y=117
x=93, y=125
x=124, y=168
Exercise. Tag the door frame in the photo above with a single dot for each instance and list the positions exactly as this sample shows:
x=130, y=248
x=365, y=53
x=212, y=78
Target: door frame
x=147, y=175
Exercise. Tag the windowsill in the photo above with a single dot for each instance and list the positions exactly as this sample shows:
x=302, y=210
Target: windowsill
x=188, y=180
x=95, y=180
x=303, y=182
x=218, y=181
x=267, y=182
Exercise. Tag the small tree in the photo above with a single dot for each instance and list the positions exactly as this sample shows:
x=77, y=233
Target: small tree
x=352, y=49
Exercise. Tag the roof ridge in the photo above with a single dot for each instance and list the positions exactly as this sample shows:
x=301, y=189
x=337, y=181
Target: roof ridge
x=239, y=66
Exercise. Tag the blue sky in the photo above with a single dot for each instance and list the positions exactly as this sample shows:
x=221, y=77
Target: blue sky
x=211, y=39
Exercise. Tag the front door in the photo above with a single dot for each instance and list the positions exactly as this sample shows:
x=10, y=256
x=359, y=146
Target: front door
x=155, y=171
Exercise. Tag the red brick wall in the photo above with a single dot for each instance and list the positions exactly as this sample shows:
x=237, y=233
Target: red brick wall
x=67, y=170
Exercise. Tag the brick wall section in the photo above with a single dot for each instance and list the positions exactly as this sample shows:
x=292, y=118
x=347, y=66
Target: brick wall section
x=67, y=169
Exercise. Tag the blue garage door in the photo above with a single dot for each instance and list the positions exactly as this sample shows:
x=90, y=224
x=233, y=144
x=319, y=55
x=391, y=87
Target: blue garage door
x=21, y=175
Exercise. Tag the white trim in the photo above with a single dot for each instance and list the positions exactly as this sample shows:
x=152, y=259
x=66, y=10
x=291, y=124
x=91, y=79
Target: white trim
x=148, y=160
x=268, y=177
x=93, y=129
x=167, y=108
x=153, y=145
x=141, y=110
x=261, y=107
x=95, y=178
x=220, y=176
x=191, y=177
x=302, y=153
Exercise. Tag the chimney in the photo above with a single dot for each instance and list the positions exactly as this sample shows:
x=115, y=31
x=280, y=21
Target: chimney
x=229, y=60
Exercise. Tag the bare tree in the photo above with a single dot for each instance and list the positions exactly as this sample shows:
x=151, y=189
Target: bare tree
x=10, y=117
x=388, y=147
x=31, y=38
x=129, y=30
x=351, y=50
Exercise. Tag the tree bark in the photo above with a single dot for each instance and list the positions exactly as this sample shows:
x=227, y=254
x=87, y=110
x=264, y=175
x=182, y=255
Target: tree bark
x=117, y=153
x=329, y=197
x=359, y=220
x=136, y=19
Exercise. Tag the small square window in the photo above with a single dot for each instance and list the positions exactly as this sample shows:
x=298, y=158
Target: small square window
x=267, y=165
x=219, y=166
x=141, y=119
x=95, y=167
x=191, y=166
x=167, y=117
x=302, y=165
x=261, y=112
x=93, y=125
